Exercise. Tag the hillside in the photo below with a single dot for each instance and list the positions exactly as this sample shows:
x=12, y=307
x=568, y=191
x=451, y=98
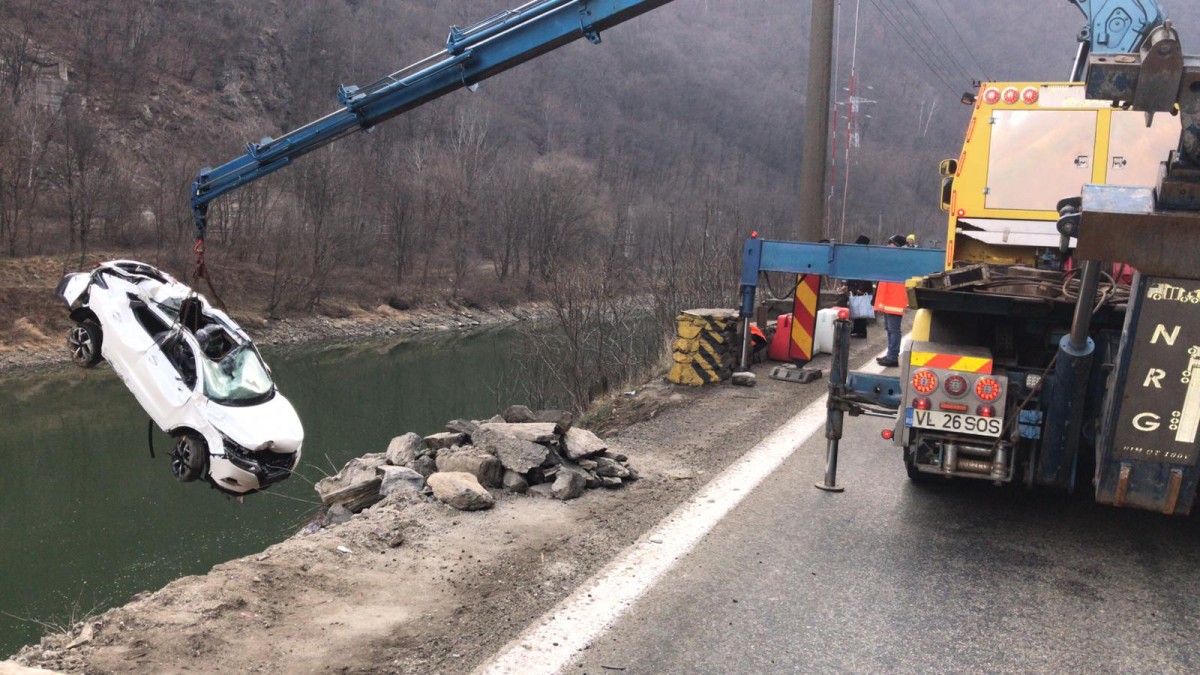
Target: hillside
x=643, y=160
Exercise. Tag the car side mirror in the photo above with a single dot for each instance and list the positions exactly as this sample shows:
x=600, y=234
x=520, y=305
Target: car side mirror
x=948, y=168
x=947, y=193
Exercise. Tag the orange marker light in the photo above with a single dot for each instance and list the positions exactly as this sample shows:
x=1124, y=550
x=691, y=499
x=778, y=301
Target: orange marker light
x=925, y=381
x=987, y=389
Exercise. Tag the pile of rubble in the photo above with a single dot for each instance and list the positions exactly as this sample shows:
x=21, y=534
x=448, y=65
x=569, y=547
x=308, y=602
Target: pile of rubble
x=519, y=451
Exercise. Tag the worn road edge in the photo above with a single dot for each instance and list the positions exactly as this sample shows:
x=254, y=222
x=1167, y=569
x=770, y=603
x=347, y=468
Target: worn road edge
x=554, y=639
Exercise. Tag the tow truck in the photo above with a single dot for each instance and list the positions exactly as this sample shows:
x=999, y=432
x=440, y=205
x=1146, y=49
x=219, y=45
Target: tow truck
x=1059, y=340
x=1029, y=362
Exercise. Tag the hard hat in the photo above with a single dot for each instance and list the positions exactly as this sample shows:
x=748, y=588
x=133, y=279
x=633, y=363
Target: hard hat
x=912, y=237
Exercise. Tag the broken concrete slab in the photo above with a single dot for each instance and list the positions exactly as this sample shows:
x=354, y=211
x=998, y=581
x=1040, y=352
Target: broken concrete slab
x=582, y=443
x=402, y=451
x=515, y=454
x=461, y=491
x=399, y=479
x=487, y=469
x=534, y=432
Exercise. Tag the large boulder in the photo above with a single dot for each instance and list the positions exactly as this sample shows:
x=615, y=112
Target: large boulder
x=582, y=443
x=518, y=414
x=354, y=471
x=607, y=468
x=515, y=482
x=355, y=497
x=402, y=451
x=462, y=427
x=515, y=454
x=561, y=419
x=460, y=490
x=356, y=486
x=534, y=432
x=425, y=465
x=399, y=479
x=568, y=485
x=447, y=439
x=486, y=468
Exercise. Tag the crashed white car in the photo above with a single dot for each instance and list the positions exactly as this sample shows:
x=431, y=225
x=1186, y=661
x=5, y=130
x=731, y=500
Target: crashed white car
x=192, y=368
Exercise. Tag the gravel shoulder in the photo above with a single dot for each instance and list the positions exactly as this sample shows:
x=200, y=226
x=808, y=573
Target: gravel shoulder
x=459, y=587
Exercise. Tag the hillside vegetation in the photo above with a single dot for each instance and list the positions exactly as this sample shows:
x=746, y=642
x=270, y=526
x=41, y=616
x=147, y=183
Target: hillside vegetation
x=641, y=162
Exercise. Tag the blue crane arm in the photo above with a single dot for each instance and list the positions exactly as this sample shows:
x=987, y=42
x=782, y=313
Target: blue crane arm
x=472, y=54
x=1114, y=27
x=1118, y=26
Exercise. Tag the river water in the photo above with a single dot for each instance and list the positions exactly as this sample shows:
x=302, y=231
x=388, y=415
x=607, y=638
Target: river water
x=88, y=519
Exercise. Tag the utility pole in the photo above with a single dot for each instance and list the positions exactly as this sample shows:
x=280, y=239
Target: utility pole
x=816, y=122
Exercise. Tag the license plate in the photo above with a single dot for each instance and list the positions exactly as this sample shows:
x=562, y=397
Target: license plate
x=956, y=422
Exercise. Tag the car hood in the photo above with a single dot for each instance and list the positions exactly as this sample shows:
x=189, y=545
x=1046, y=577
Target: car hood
x=251, y=427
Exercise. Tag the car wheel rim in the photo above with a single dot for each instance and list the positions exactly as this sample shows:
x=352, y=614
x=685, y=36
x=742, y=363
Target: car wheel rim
x=181, y=459
x=82, y=348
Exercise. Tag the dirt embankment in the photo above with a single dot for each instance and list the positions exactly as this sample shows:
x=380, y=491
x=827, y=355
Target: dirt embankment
x=414, y=586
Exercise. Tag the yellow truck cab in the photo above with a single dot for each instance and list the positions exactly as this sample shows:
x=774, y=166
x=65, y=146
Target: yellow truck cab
x=989, y=327
x=1029, y=145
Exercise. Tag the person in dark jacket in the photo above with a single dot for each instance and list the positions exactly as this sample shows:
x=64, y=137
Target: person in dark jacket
x=861, y=287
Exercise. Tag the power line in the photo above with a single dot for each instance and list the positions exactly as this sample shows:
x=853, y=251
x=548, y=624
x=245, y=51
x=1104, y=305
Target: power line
x=920, y=53
x=944, y=51
x=966, y=45
x=910, y=34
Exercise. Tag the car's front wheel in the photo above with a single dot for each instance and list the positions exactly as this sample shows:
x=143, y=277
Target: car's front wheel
x=83, y=341
x=188, y=457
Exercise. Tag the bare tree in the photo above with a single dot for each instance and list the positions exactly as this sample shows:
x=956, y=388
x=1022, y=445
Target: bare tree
x=24, y=138
x=85, y=174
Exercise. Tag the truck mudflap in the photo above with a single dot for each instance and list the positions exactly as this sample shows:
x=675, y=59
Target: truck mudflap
x=1148, y=456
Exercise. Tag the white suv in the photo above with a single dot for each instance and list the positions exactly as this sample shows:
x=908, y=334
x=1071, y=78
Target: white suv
x=192, y=368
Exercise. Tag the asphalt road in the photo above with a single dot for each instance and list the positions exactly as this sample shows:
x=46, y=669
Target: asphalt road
x=892, y=576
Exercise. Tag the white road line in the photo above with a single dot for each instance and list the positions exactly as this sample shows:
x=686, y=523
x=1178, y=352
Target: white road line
x=554, y=639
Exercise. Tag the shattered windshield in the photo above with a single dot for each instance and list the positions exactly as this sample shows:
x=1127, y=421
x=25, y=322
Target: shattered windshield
x=239, y=378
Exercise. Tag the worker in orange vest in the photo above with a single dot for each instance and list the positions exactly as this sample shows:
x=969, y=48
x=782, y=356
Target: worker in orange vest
x=891, y=299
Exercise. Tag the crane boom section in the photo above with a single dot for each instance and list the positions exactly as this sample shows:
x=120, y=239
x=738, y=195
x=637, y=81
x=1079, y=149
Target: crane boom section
x=472, y=54
x=1118, y=26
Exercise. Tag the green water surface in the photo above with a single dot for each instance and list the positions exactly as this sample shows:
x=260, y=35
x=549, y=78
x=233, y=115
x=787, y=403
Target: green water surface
x=88, y=519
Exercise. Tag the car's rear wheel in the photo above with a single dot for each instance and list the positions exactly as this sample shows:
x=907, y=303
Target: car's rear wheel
x=84, y=341
x=188, y=457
